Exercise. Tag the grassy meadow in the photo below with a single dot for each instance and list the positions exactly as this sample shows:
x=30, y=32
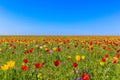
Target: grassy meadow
x=59, y=58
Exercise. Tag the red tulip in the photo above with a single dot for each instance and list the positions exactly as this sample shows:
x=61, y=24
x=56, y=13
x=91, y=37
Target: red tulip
x=90, y=43
x=117, y=55
x=11, y=44
x=103, y=59
x=103, y=47
x=116, y=44
x=26, y=45
x=64, y=42
x=25, y=52
x=14, y=47
x=25, y=60
x=68, y=47
x=30, y=50
x=56, y=63
x=74, y=64
x=48, y=51
x=24, y=68
x=114, y=61
x=85, y=77
x=75, y=46
x=13, y=52
x=37, y=65
x=108, y=49
x=58, y=49
x=106, y=55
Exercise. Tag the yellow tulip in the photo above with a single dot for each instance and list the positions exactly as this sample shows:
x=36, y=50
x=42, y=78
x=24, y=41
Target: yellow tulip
x=11, y=64
x=116, y=58
x=39, y=76
x=5, y=67
x=10, y=47
x=25, y=49
x=54, y=49
x=0, y=49
x=60, y=43
x=48, y=42
x=69, y=57
x=36, y=46
x=83, y=57
x=102, y=63
x=106, y=58
x=44, y=46
x=77, y=57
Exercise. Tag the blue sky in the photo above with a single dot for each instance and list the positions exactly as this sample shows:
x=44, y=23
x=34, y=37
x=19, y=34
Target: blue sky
x=59, y=17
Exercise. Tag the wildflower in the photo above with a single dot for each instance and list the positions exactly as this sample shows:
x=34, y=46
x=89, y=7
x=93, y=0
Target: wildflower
x=25, y=49
x=77, y=71
x=77, y=57
x=58, y=49
x=31, y=50
x=117, y=55
x=74, y=64
x=108, y=49
x=75, y=46
x=13, y=52
x=103, y=59
x=25, y=60
x=106, y=55
x=114, y=61
x=56, y=63
x=36, y=46
x=68, y=47
x=0, y=49
x=41, y=47
x=106, y=59
x=11, y=44
x=80, y=79
x=54, y=49
x=50, y=51
x=24, y=68
x=39, y=76
x=69, y=57
x=15, y=47
x=49, y=42
x=47, y=50
x=11, y=64
x=10, y=48
x=83, y=57
x=116, y=58
x=26, y=52
x=37, y=65
x=60, y=43
x=5, y=67
x=85, y=77
x=101, y=63
x=44, y=46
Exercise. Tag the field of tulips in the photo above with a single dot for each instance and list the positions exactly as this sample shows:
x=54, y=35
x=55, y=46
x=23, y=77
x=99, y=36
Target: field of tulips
x=59, y=58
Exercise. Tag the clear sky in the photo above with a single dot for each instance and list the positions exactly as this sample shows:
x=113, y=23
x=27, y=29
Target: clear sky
x=59, y=17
